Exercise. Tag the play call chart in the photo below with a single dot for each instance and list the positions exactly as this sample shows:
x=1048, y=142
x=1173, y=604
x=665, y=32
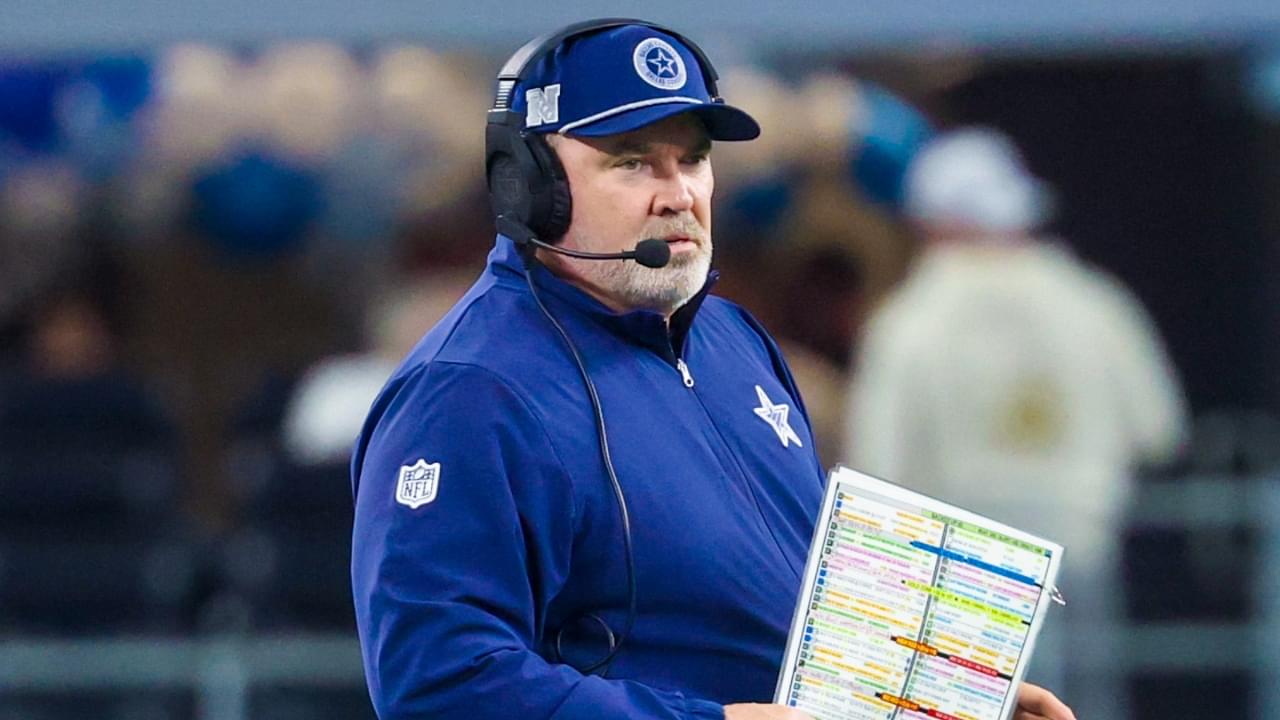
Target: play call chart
x=913, y=608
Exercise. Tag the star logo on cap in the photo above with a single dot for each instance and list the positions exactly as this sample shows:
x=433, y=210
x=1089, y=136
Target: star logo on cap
x=658, y=63
x=663, y=64
x=776, y=417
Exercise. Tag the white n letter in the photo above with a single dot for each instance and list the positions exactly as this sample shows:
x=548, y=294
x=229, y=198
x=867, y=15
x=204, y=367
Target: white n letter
x=544, y=105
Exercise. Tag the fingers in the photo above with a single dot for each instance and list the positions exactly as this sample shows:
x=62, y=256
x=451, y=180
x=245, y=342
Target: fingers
x=1034, y=703
x=760, y=711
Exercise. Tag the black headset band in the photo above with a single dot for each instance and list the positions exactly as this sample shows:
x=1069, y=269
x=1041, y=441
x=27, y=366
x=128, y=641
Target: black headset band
x=520, y=63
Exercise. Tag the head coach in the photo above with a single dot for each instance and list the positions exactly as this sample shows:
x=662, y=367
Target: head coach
x=588, y=492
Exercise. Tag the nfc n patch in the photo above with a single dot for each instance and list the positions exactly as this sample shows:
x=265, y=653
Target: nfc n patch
x=544, y=105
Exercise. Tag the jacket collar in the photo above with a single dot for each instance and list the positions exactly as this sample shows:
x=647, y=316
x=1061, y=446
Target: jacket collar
x=644, y=327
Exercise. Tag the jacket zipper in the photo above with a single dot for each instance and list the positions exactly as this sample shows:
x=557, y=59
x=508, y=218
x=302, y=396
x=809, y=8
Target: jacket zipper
x=684, y=372
x=737, y=464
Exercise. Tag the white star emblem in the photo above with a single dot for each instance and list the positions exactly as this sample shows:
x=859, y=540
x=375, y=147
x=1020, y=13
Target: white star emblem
x=662, y=63
x=776, y=416
x=659, y=64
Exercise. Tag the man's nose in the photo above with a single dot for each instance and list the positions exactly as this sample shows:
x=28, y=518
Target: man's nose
x=675, y=195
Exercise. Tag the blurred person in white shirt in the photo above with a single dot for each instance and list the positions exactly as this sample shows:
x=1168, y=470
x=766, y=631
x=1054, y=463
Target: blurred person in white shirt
x=325, y=411
x=1007, y=377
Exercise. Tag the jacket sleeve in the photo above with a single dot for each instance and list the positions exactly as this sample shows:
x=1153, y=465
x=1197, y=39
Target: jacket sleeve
x=451, y=595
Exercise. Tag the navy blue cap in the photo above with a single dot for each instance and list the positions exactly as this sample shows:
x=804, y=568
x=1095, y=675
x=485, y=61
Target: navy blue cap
x=621, y=79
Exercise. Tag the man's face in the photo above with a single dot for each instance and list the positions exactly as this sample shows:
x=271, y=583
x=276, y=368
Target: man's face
x=655, y=182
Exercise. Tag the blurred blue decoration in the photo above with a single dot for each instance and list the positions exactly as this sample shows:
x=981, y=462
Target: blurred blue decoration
x=124, y=82
x=10, y=160
x=763, y=201
x=752, y=211
x=257, y=206
x=889, y=134
x=95, y=112
x=28, y=93
x=362, y=191
x=1264, y=81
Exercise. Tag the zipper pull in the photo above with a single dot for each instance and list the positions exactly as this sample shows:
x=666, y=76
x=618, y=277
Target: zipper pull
x=684, y=372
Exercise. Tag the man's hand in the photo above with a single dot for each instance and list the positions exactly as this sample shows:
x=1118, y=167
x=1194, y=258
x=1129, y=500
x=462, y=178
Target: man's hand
x=1035, y=703
x=760, y=711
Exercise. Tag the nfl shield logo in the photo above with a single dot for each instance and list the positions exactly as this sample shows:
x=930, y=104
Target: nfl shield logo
x=418, y=483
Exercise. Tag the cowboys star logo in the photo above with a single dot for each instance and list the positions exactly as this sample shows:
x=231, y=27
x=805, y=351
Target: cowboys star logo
x=658, y=64
x=663, y=64
x=775, y=415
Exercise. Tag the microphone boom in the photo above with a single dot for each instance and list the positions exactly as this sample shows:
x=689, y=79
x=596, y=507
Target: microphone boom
x=651, y=253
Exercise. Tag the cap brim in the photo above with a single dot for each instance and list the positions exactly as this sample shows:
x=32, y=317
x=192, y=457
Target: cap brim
x=723, y=122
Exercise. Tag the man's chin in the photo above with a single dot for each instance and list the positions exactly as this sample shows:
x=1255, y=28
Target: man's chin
x=686, y=279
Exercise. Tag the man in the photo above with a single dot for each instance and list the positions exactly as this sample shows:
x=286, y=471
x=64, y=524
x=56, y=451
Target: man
x=498, y=550
x=1008, y=377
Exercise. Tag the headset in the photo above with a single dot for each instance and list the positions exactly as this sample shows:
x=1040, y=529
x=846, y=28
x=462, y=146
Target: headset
x=529, y=197
x=527, y=183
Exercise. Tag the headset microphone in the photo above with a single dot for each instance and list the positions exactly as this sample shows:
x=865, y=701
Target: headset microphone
x=652, y=253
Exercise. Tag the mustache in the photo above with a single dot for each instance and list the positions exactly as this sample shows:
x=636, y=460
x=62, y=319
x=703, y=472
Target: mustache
x=684, y=225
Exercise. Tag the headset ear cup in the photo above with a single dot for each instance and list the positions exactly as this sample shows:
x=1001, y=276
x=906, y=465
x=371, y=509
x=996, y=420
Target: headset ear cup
x=508, y=165
x=555, y=206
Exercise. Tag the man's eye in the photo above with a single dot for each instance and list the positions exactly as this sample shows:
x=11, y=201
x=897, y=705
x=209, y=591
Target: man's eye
x=630, y=164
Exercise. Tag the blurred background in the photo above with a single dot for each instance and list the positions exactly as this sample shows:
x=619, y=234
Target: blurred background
x=221, y=226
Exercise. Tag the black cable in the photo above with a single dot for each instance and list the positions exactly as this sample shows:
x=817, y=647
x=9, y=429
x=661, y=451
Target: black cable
x=614, y=646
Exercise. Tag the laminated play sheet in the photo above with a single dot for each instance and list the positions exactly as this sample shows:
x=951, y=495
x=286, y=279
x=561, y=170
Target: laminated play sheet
x=913, y=608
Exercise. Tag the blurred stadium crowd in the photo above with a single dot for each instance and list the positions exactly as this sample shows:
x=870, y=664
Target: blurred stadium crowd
x=210, y=258
x=182, y=235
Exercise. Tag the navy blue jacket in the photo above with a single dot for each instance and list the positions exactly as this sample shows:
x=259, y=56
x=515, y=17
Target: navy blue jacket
x=485, y=521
